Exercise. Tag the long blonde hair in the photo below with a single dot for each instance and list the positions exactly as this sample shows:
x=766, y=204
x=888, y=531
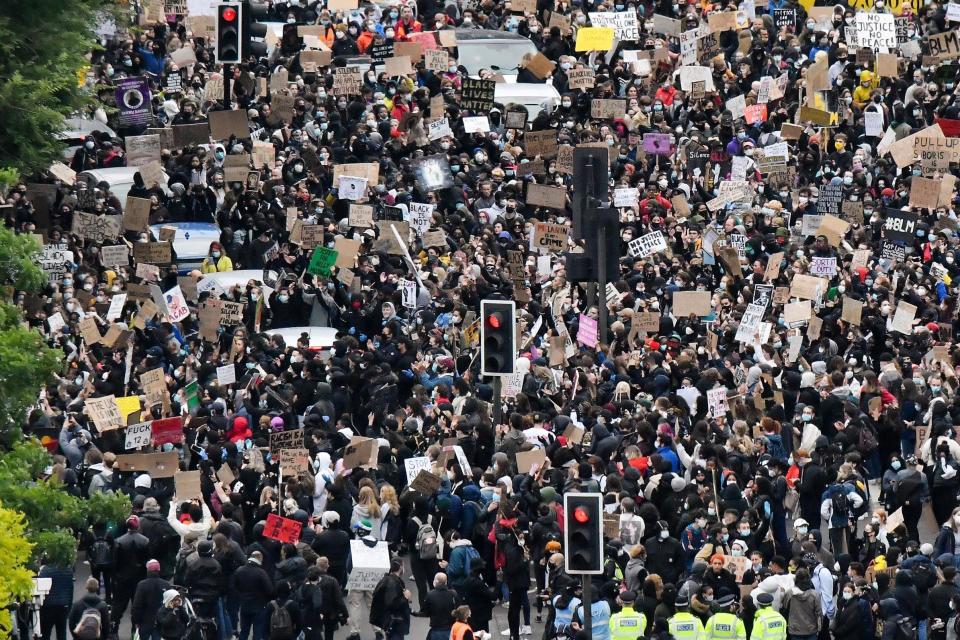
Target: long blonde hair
x=368, y=498
x=388, y=496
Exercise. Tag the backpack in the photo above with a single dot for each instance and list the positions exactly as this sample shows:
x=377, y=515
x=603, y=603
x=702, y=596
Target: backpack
x=923, y=577
x=281, y=624
x=841, y=506
x=89, y=626
x=868, y=440
x=905, y=628
x=472, y=555
x=101, y=553
x=310, y=600
x=427, y=546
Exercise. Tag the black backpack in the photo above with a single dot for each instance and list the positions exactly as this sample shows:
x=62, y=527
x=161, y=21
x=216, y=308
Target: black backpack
x=923, y=577
x=281, y=622
x=905, y=629
x=310, y=600
x=841, y=506
x=100, y=553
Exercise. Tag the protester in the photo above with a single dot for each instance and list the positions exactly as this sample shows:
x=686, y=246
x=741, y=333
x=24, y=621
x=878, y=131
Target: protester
x=763, y=389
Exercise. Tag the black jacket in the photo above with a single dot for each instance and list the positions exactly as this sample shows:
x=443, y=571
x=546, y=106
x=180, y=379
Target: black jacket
x=439, y=604
x=252, y=586
x=204, y=579
x=90, y=601
x=130, y=555
x=147, y=601
x=665, y=558
x=172, y=623
x=164, y=541
x=292, y=570
x=334, y=544
x=389, y=607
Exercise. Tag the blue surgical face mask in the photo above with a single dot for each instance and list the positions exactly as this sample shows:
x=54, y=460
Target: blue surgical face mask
x=806, y=417
x=895, y=465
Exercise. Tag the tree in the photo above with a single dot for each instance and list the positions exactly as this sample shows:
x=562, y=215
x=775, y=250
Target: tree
x=16, y=579
x=43, y=47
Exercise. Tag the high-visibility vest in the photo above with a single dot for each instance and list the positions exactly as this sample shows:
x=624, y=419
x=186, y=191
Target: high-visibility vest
x=627, y=625
x=459, y=630
x=725, y=626
x=563, y=617
x=769, y=625
x=685, y=626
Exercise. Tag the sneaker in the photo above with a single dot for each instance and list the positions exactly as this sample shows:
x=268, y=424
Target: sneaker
x=506, y=632
x=525, y=630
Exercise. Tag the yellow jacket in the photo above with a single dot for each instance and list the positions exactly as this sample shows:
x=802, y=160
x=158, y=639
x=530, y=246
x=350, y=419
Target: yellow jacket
x=223, y=263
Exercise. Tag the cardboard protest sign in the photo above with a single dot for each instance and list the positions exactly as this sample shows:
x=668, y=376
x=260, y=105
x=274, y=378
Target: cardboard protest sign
x=322, y=261
x=187, y=485
x=924, y=192
x=361, y=452
x=903, y=318
x=153, y=252
x=549, y=237
x=852, y=310
x=227, y=124
x=527, y=460
x=808, y=287
x=104, y=412
x=547, y=196
x=286, y=440
x=98, y=228
x=697, y=303
x=158, y=465
x=477, y=95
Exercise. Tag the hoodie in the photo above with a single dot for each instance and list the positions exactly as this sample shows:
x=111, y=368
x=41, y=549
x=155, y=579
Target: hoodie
x=200, y=529
x=324, y=477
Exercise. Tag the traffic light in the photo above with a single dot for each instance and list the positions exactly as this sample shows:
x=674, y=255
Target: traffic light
x=583, y=533
x=591, y=176
x=229, y=25
x=498, y=327
x=253, y=11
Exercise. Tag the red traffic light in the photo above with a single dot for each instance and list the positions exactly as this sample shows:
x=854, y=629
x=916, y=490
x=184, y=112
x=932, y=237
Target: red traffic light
x=580, y=515
x=229, y=14
x=494, y=320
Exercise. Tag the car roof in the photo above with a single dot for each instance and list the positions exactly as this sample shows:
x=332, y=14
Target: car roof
x=487, y=35
x=320, y=337
x=193, y=238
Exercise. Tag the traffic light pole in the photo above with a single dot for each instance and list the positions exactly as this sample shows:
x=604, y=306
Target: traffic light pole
x=587, y=582
x=497, y=402
x=602, y=282
x=227, y=78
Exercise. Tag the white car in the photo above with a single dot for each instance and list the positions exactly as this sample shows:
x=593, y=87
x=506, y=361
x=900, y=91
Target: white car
x=320, y=337
x=192, y=242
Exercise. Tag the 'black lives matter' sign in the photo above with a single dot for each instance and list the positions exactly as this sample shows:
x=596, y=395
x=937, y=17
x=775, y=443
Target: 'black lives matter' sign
x=477, y=95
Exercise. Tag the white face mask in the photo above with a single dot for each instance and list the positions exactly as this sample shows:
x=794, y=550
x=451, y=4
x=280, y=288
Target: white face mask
x=664, y=535
x=847, y=595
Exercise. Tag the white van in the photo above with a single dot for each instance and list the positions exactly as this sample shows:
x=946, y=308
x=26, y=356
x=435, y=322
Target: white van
x=120, y=180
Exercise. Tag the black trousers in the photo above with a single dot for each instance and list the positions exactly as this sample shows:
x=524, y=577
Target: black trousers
x=54, y=617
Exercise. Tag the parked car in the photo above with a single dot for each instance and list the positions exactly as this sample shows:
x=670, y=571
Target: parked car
x=120, y=180
x=191, y=243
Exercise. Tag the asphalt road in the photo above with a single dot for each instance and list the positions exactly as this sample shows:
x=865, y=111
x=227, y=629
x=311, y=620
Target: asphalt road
x=419, y=626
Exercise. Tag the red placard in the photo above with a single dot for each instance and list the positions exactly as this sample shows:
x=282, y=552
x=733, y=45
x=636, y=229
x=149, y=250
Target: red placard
x=951, y=128
x=166, y=431
x=282, y=529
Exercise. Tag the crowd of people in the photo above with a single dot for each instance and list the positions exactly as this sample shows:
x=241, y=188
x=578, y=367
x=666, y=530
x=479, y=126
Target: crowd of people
x=764, y=392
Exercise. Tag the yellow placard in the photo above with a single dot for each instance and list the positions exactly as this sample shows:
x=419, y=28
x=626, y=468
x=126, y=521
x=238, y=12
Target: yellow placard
x=594, y=39
x=128, y=405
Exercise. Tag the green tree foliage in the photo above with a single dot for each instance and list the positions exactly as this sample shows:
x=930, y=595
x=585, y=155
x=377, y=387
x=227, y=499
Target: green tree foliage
x=15, y=578
x=43, y=46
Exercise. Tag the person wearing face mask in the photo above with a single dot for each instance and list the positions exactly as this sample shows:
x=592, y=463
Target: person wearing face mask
x=665, y=554
x=216, y=261
x=694, y=536
x=854, y=617
x=344, y=43
x=86, y=156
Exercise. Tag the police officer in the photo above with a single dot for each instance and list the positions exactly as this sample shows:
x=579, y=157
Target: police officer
x=684, y=625
x=768, y=624
x=628, y=624
x=724, y=624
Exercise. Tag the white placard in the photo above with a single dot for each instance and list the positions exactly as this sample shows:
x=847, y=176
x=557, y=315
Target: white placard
x=623, y=23
x=211, y=285
x=876, y=30
x=476, y=124
x=413, y=466
x=420, y=216
x=176, y=304
x=749, y=326
x=369, y=565
x=138, y=435
x=626, y=197
x=116, y=306
x=717, y=401
x=647, y=244
x=823, y=267
x=408, y=289
x=226, y=375
x=351, y=187
x=953, y=12
x=873, y=122
x=439, y=129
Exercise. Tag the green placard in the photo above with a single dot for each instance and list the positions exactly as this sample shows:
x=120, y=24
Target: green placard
x=192, y=394
x=321, y=261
